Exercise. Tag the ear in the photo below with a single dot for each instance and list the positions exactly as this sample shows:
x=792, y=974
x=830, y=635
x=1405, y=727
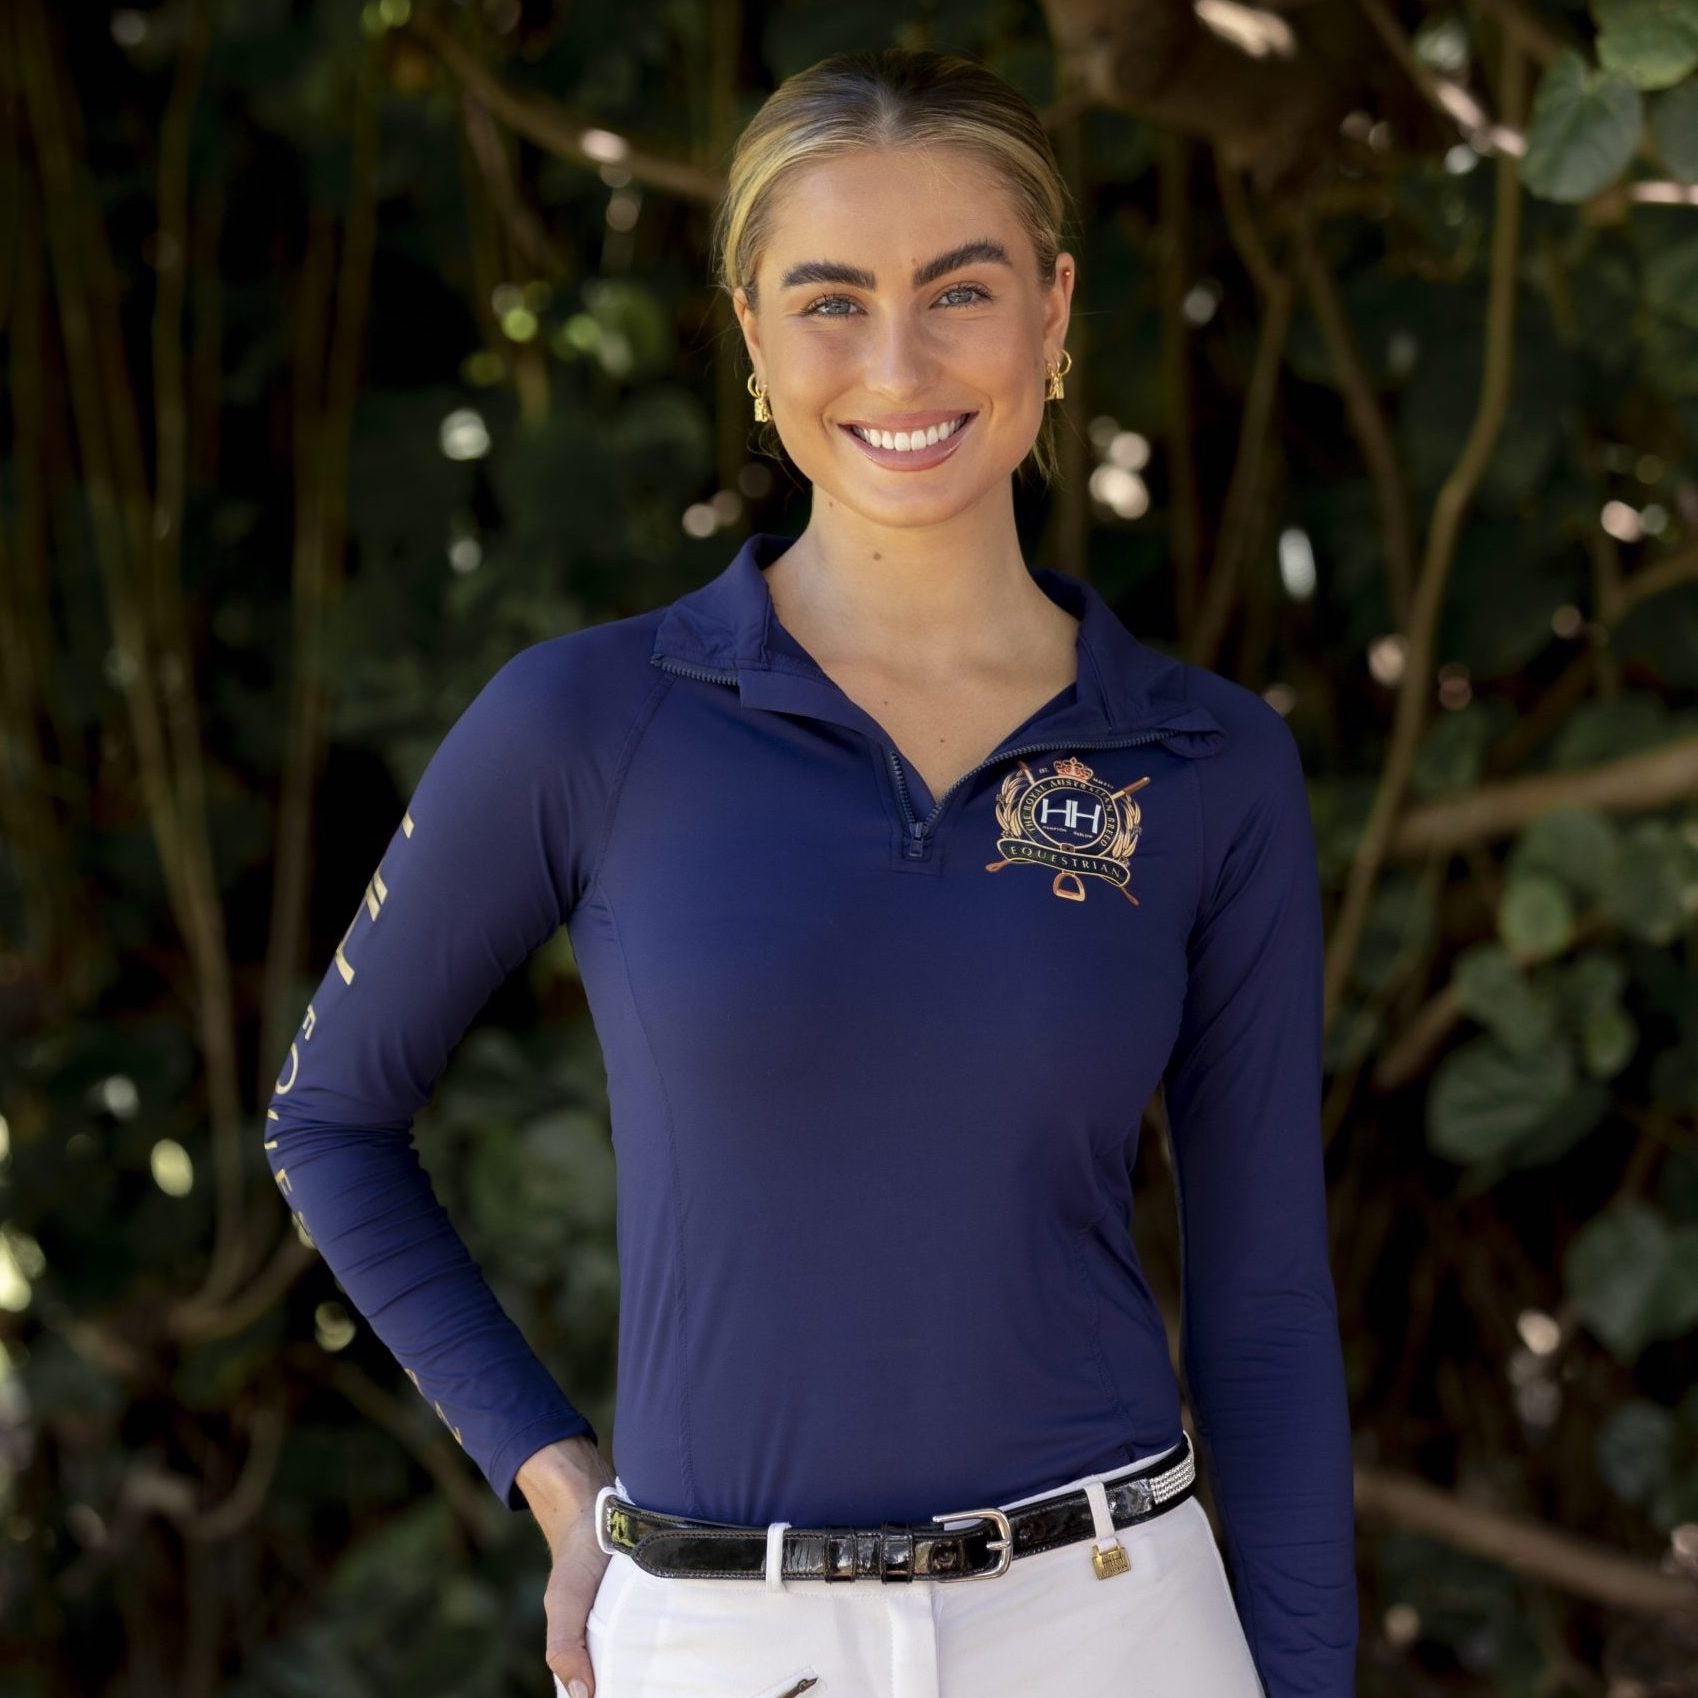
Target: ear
x=1058, y=302
x=749, y=322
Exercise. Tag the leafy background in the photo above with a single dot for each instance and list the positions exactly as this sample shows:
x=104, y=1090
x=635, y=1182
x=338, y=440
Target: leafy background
x=348, y=348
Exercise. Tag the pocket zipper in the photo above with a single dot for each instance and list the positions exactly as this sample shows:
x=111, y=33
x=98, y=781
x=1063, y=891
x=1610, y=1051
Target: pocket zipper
x=809, y=1678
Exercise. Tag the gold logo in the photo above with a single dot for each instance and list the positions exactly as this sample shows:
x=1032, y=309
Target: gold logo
x=1069, y=822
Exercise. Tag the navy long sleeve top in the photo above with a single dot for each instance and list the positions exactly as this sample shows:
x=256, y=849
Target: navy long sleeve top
x=876, y=1062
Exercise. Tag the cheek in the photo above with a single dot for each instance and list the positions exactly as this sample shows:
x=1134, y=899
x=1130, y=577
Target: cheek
x=1009, y=360
x=997, y=361
x=816, y=365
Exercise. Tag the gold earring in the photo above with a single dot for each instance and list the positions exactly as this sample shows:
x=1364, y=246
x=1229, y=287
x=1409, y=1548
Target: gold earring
x=758, y=390
x=1056, y=388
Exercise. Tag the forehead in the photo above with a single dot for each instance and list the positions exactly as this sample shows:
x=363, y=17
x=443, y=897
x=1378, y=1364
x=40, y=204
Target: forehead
x=900, y=204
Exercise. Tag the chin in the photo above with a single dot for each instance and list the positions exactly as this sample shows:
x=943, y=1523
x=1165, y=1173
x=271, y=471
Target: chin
x=883, y=502
x=910, y=513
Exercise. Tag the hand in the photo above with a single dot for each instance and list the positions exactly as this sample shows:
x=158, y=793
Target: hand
x=560, y=1483
x=572, y=1585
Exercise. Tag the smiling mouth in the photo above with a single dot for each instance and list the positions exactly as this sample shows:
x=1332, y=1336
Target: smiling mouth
x=910, y=442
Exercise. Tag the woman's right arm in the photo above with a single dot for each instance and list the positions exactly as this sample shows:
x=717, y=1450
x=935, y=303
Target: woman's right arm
x=483, y=868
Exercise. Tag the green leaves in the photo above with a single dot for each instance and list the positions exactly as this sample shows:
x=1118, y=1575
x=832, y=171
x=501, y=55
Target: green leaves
x=1633, y=1278
x=1491, y=1103
x=1587, y=121
x=1532, y=1082
x=1648, y=43
x=625, y=327
x=1647, y=891
x=1536, y=916
x=1608, y=1040
x=1607, y=729
x=1492, y=988
x=1576, y=845
x=1671, y=282
x=1401, y=925
x=1452, y=752
x=1585, y=125
x=1634, y=1446
x=1648, y=1454
x=1674, y=128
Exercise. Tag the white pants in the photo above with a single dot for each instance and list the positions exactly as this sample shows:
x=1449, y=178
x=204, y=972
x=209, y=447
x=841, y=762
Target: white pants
x=1167, y=1628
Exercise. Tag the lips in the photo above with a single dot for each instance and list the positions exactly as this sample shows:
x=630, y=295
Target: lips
x=912, y=459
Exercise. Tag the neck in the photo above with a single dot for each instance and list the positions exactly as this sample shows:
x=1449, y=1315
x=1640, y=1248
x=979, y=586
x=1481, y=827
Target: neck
x=930, y=599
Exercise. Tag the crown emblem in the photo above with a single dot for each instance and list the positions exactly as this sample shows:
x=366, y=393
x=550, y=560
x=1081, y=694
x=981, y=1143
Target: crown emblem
x=1071, y=823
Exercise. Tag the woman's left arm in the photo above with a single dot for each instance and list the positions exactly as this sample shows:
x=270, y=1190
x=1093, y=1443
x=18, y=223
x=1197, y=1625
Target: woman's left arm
x=1259, y=1335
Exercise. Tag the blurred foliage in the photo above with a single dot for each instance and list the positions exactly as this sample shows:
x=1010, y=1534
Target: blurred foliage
x=437, y=389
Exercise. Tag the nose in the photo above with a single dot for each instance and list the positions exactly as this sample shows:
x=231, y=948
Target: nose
x=898, y=359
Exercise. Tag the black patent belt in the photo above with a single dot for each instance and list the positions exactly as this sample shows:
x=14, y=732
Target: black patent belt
x=679, y=1546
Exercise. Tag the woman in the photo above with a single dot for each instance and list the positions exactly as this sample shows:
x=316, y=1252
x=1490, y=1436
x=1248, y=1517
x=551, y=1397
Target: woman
x=898, y=876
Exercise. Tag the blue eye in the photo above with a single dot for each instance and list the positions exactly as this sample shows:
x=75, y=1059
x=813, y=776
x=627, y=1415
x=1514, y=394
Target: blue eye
x=973, y=291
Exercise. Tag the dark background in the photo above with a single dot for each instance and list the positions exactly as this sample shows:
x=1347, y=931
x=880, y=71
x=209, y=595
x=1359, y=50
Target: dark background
x=336, y=366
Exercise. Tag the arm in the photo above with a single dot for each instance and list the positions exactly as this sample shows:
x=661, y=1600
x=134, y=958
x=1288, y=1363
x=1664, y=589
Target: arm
x=479, y=873
x=1259, y=1329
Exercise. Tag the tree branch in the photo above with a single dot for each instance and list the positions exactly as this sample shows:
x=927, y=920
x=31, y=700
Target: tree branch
x=557, y=128
x=142, y=598
x=1454, y=496
x=1407, y=1056
x=1174, y=259
x=198, y=1318
x=325, y=390
x=462, y=1492
x=1655, y=778
x=1269, y=103
x=1234, y=535
x=1373, y=433
x=1528, y=1547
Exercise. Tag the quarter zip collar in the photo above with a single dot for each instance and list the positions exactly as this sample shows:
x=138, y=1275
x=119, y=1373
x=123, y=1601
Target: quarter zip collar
x=726, y=629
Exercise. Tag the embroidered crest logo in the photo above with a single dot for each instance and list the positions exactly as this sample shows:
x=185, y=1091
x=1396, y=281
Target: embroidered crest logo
x=1070, y=822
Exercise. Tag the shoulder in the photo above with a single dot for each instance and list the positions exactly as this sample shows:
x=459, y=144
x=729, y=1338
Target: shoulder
x=1256, y=730
x=537, y=756
x=586, y=682
x=559, y=719
x=1260, y=747
x=1256, y=782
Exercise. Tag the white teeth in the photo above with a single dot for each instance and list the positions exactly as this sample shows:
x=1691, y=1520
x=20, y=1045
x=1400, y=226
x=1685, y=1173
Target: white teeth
x=903, y=442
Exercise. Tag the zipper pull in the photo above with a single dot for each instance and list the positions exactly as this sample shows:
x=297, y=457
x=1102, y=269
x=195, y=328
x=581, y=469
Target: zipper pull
x=917, y=841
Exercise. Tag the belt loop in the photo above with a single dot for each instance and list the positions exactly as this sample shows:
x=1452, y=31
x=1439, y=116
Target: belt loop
x=601, y=1498
x=775, y=1555
x=1109, y=1556
x=1100, y=1517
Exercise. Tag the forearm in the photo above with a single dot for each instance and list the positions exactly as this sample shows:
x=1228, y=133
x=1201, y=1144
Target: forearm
x=1273, y=1422
x=374, y=1217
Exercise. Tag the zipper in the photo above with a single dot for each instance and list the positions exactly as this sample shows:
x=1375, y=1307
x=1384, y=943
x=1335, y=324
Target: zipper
x=918, y=833
x=667, y=664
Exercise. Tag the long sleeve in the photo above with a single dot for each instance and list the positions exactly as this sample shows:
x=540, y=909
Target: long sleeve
x=1259, y=1328
x=482, y=869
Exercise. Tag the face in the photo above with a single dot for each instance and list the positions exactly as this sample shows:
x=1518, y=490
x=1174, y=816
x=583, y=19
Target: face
x=899, y=291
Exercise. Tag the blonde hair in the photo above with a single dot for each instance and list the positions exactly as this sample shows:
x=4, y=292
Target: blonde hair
x=894, y=97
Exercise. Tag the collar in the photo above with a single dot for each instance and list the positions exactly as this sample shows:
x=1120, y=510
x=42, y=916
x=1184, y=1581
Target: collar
x=727, y=628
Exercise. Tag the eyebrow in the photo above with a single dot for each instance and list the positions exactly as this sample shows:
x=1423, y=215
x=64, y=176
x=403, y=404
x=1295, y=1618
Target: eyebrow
x=981, y=252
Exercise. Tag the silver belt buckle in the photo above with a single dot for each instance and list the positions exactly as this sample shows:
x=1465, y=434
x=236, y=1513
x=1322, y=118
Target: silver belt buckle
x=1005, y=1544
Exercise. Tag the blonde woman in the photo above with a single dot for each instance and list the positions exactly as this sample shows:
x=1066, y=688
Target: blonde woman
x=899, y=875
